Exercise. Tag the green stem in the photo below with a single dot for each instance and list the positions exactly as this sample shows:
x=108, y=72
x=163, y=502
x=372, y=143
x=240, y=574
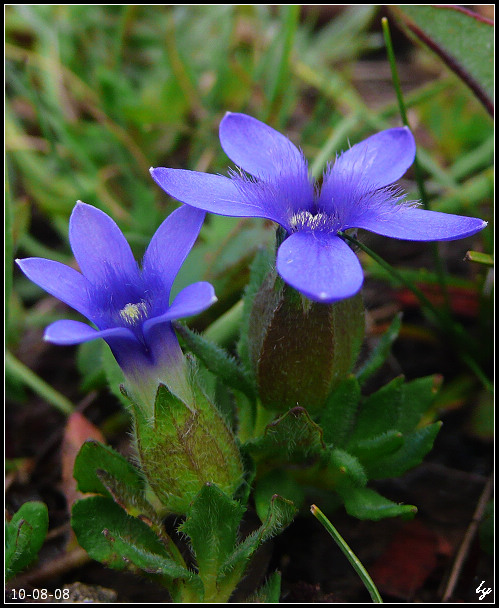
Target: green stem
x=455, y=331
x=393, y=67
x=437, y=314
x=352, y=558
x=19, y=371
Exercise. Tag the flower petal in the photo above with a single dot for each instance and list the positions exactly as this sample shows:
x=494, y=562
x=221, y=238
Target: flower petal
x=321, y=266
x=100, y=247
x=192, y=300
x=167, y=251
x=420, y=225
x=136, y=361
x=214, y=193
x=379, y=160
x=67, y=332
x=61, y=281
x=259, y=149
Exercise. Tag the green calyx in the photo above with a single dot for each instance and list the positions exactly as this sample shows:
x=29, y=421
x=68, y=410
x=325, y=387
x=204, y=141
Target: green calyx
x=299, y=349
x=184, y=447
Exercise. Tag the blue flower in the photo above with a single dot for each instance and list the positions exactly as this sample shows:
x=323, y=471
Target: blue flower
x=357, y=192
x=129, y=306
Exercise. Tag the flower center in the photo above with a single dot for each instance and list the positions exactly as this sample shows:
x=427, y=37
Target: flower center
x=132, y=314
x=315, y=222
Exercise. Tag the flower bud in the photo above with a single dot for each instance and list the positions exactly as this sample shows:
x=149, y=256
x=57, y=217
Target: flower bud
x=300, y=350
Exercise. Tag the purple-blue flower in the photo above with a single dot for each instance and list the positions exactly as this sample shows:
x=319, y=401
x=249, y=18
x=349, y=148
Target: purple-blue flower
x=129, y=306
x=356, y=192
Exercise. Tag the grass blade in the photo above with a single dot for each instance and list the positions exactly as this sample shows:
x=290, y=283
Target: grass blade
x=352, y=558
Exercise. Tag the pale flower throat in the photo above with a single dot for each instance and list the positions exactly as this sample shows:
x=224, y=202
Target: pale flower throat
x=322, y=222
x=132, y=314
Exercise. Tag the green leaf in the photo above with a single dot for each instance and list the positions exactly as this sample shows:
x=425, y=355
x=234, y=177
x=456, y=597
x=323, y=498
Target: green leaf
x=414, y=448
x=379, y=412
x=280, y=514
x=94, y=457
x=100, y=469
x=212, y=525
x=24, y=536
x=269, y=593
x=293, y=437
x=279, y=482
x=365, y=503
x=351, y=470
x=120, y=541
x=417, y=398
x=337, y=417
x=217, y=361
x=376, y=447
x=243, y=492
x=462, y=39
x=378, y=356
x=130, y=499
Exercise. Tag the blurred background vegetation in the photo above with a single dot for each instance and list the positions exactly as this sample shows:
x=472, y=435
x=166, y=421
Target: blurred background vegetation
x=97, y=95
